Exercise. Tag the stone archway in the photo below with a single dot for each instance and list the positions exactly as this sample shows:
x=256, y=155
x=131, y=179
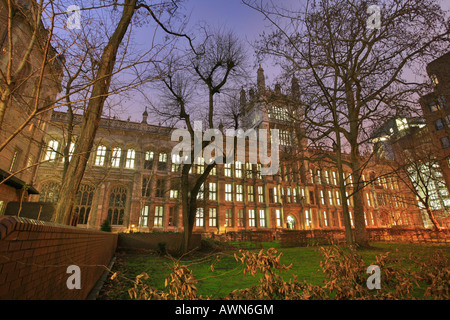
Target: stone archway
x=291, y=222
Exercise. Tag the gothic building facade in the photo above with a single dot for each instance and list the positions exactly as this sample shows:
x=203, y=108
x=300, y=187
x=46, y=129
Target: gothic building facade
x=133, y=181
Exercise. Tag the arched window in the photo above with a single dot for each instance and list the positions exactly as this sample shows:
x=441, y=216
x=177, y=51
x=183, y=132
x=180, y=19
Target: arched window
x=129, y=161
x=117, y=202
x=100, y=156
x=52, y=150
x=116, y=155
x=84, y=203
x=49, y=192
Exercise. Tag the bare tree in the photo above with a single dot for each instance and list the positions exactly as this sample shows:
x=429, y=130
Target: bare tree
x=355, y=67
x=204, y=71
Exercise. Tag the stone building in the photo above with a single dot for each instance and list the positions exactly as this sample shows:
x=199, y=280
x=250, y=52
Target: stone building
x=133, y=181
x=19, y=158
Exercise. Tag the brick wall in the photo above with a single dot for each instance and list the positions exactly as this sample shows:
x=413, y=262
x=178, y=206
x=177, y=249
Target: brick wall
x=35, y=255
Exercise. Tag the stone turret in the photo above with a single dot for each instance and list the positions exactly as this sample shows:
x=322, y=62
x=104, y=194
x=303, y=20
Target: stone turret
x=145, y=116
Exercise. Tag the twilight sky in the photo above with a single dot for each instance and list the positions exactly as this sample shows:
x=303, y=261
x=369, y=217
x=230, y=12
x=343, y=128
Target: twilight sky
x=233, y=14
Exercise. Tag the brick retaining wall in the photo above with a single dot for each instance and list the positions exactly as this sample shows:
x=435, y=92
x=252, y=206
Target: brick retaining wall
x=35, y=255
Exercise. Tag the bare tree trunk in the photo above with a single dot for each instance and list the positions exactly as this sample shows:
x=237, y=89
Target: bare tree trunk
x=433, y=219
x=91, y=120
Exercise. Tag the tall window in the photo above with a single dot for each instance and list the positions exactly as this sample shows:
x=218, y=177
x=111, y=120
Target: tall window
x=176, y=161
x=278, y=217
x=262, y=218
x=227, y=168
x=173, y=216
x=159, y=214
x=117, y=202
x=212, y=217
x=201, y=192
x=14, y=161
x=325, y=219
x=129, y=162
x=71, y=150
x=240, y=218
x=319, y=177
x=228, y=217
x=260, y=194
x=143, y=219
x=148, y=160
x=327, y=177
x=83, y=203
x=238, y=169
x=307, y=218
x=322, y=197
x=159, y=188
x=146, y=186
x=338, y=198
x=239, y=193
x=52, y=150
x=251, y=218
x=116, y=154
x=212, y=191
x=248, y=170
x=162, y=161
x=250, y=194
x=330, y=197
x=333, y=173
x=199, y=217
x=228, y=192
x=100, y=156
x=200, y=165
x=49, y=192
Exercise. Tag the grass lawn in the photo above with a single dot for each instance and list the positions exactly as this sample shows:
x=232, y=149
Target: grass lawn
x=227, y=274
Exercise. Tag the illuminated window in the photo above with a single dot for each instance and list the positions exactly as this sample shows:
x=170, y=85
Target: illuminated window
x=199, y=217
x=278, y=217
x=148, y=160
x=330, y=197
x=250, y=194
x=129, y=162
x=228, y=217
x=262, y=218
x=143, y=219
x=307, y=218
x=325, y=219
x=227, y=169
x=238, y=169
x=52, y=150
x=159, y=214
x=212, y=217
x=228, y=192
x=71, y=150
x=100, y=156
x=251, y=218
x=212, y=191
x=239, y=193
x=338, y=198
x=434, y=80
x=116, y=154
x=260, y=194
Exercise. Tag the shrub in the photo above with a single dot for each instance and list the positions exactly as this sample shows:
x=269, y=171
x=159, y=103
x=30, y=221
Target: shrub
x=106, y=226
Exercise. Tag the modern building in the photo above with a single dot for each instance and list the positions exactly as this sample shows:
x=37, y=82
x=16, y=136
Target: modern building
x=133, y=181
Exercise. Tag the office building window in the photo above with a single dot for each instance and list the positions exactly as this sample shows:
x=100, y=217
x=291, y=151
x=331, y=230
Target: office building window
x=228, y=217
x=250, y=194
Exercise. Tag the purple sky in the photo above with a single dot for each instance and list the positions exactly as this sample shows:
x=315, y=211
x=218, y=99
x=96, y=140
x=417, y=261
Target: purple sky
x=246, y=23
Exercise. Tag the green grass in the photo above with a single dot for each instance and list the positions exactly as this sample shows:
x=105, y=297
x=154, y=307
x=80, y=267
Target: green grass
x=227, y=274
